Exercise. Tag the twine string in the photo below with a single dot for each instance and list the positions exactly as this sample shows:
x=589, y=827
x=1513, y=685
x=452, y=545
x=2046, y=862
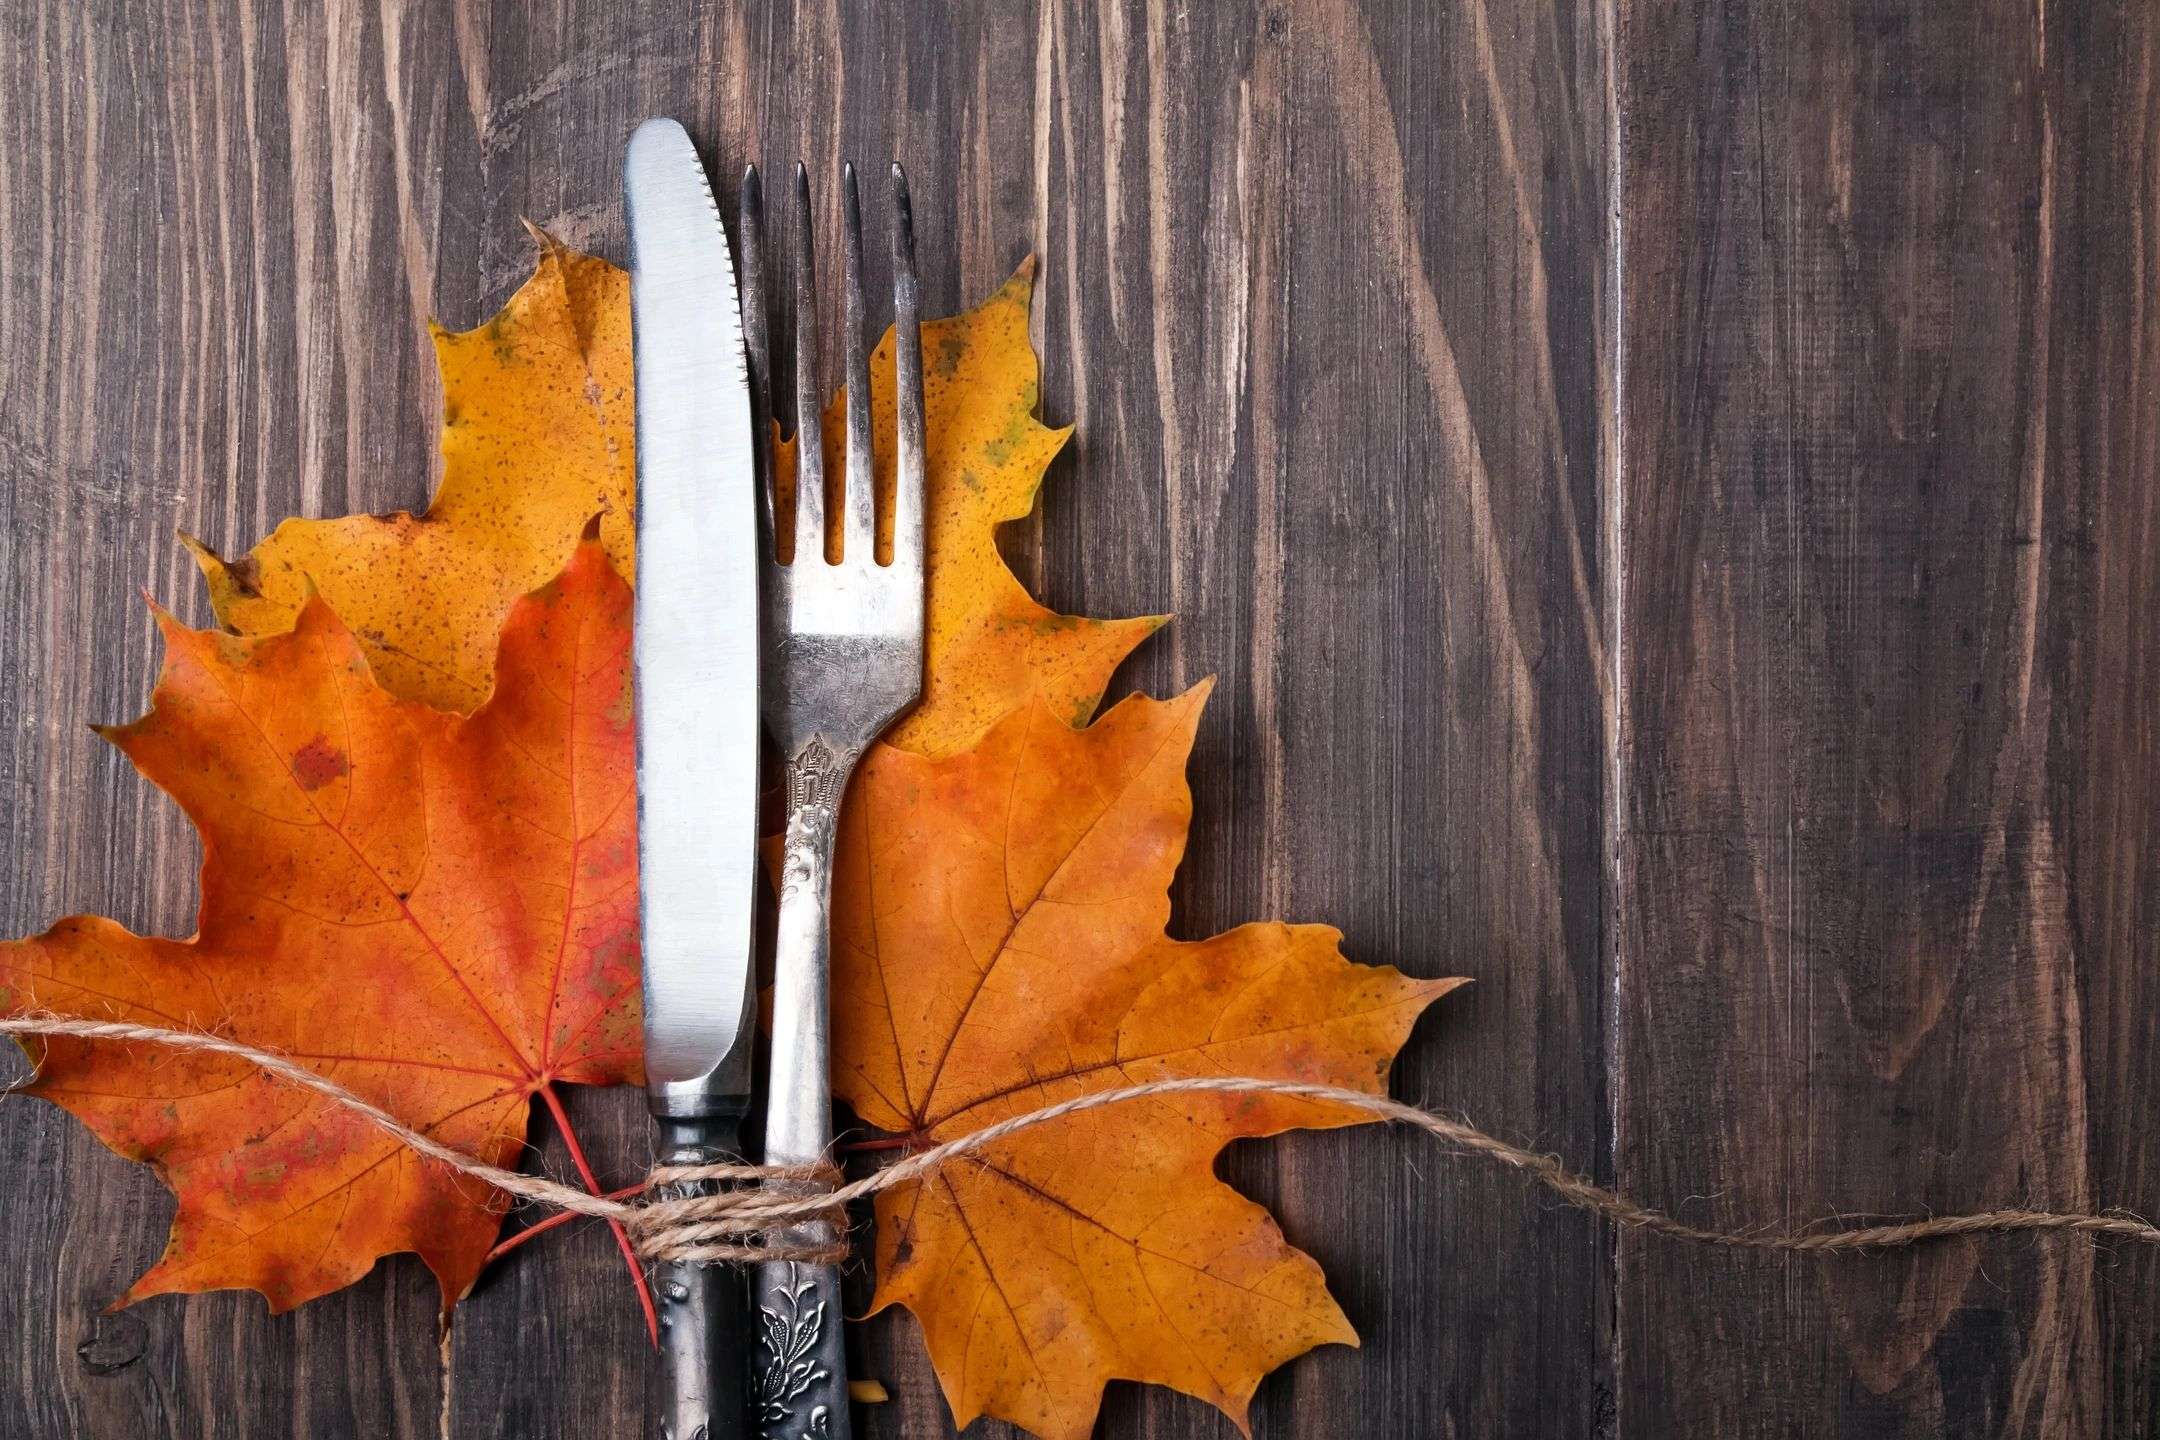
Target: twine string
x=755, y=1213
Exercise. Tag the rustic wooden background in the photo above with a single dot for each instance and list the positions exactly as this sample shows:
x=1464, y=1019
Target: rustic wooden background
x=1669, y=487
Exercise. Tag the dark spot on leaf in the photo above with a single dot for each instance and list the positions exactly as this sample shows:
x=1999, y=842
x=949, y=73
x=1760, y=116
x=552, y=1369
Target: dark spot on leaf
x=319, y=762
x=947, y=352
x=245, y=574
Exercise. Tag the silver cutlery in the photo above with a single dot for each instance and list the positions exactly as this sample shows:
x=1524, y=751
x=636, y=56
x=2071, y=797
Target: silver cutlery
x=843, y=648
x=697, y=733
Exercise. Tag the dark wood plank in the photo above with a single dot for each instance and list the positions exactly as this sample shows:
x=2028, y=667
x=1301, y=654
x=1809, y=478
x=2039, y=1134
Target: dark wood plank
x=1320, y=294
x=192, y=298
x=2102, y=791
x=1884, y=548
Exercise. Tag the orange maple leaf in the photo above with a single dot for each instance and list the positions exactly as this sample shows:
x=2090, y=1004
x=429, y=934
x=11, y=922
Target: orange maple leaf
x=437, y=912
x=998, y=945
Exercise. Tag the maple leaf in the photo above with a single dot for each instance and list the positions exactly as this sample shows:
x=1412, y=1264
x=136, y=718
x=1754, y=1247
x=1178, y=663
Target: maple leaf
x=436, y=912
x=988, y=645
x=537, y=438
x=999, y=945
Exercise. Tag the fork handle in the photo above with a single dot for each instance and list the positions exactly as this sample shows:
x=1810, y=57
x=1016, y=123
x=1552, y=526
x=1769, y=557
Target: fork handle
x=798, y=1375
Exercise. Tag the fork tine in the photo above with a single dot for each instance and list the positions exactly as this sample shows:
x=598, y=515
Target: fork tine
x=860, y=502
x=809, y=411
x=757, y=345
x=908, y=490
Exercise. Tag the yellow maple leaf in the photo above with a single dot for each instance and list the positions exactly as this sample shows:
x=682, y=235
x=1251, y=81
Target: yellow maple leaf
x=537, y=438
x=988, y=646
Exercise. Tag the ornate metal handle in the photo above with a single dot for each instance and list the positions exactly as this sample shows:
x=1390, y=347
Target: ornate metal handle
x=798, y=1377
x=698, y=1394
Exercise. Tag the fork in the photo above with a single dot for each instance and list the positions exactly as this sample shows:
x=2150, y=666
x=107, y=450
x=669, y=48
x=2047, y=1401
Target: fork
x=843, y=655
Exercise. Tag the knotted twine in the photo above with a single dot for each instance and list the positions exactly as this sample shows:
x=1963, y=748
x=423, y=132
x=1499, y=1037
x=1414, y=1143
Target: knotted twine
x=756, y=1217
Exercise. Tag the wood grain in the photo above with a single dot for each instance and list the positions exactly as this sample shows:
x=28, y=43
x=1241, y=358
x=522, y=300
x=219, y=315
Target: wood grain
x=1668, y=489
x=1884, y=543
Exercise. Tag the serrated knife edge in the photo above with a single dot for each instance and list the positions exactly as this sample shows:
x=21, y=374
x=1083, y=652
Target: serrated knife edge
x=697, y=625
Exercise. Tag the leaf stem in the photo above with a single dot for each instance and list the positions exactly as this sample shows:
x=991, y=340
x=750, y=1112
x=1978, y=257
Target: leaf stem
x=551, y=1222
x=592, y=1183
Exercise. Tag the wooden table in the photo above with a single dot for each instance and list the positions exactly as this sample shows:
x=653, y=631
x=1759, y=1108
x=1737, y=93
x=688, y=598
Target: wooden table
x=1668, y=488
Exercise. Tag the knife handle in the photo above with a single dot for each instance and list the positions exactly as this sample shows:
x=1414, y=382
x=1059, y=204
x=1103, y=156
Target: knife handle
x=698, y=1390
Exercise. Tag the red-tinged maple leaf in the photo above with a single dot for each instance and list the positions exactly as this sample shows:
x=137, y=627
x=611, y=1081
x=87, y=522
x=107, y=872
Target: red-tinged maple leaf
x=436, y=912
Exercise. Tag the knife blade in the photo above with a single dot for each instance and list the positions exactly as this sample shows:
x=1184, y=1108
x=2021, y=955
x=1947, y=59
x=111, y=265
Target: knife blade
x=697, y=628
x=697, y=729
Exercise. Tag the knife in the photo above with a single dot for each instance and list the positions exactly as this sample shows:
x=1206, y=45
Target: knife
x=697, y=733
